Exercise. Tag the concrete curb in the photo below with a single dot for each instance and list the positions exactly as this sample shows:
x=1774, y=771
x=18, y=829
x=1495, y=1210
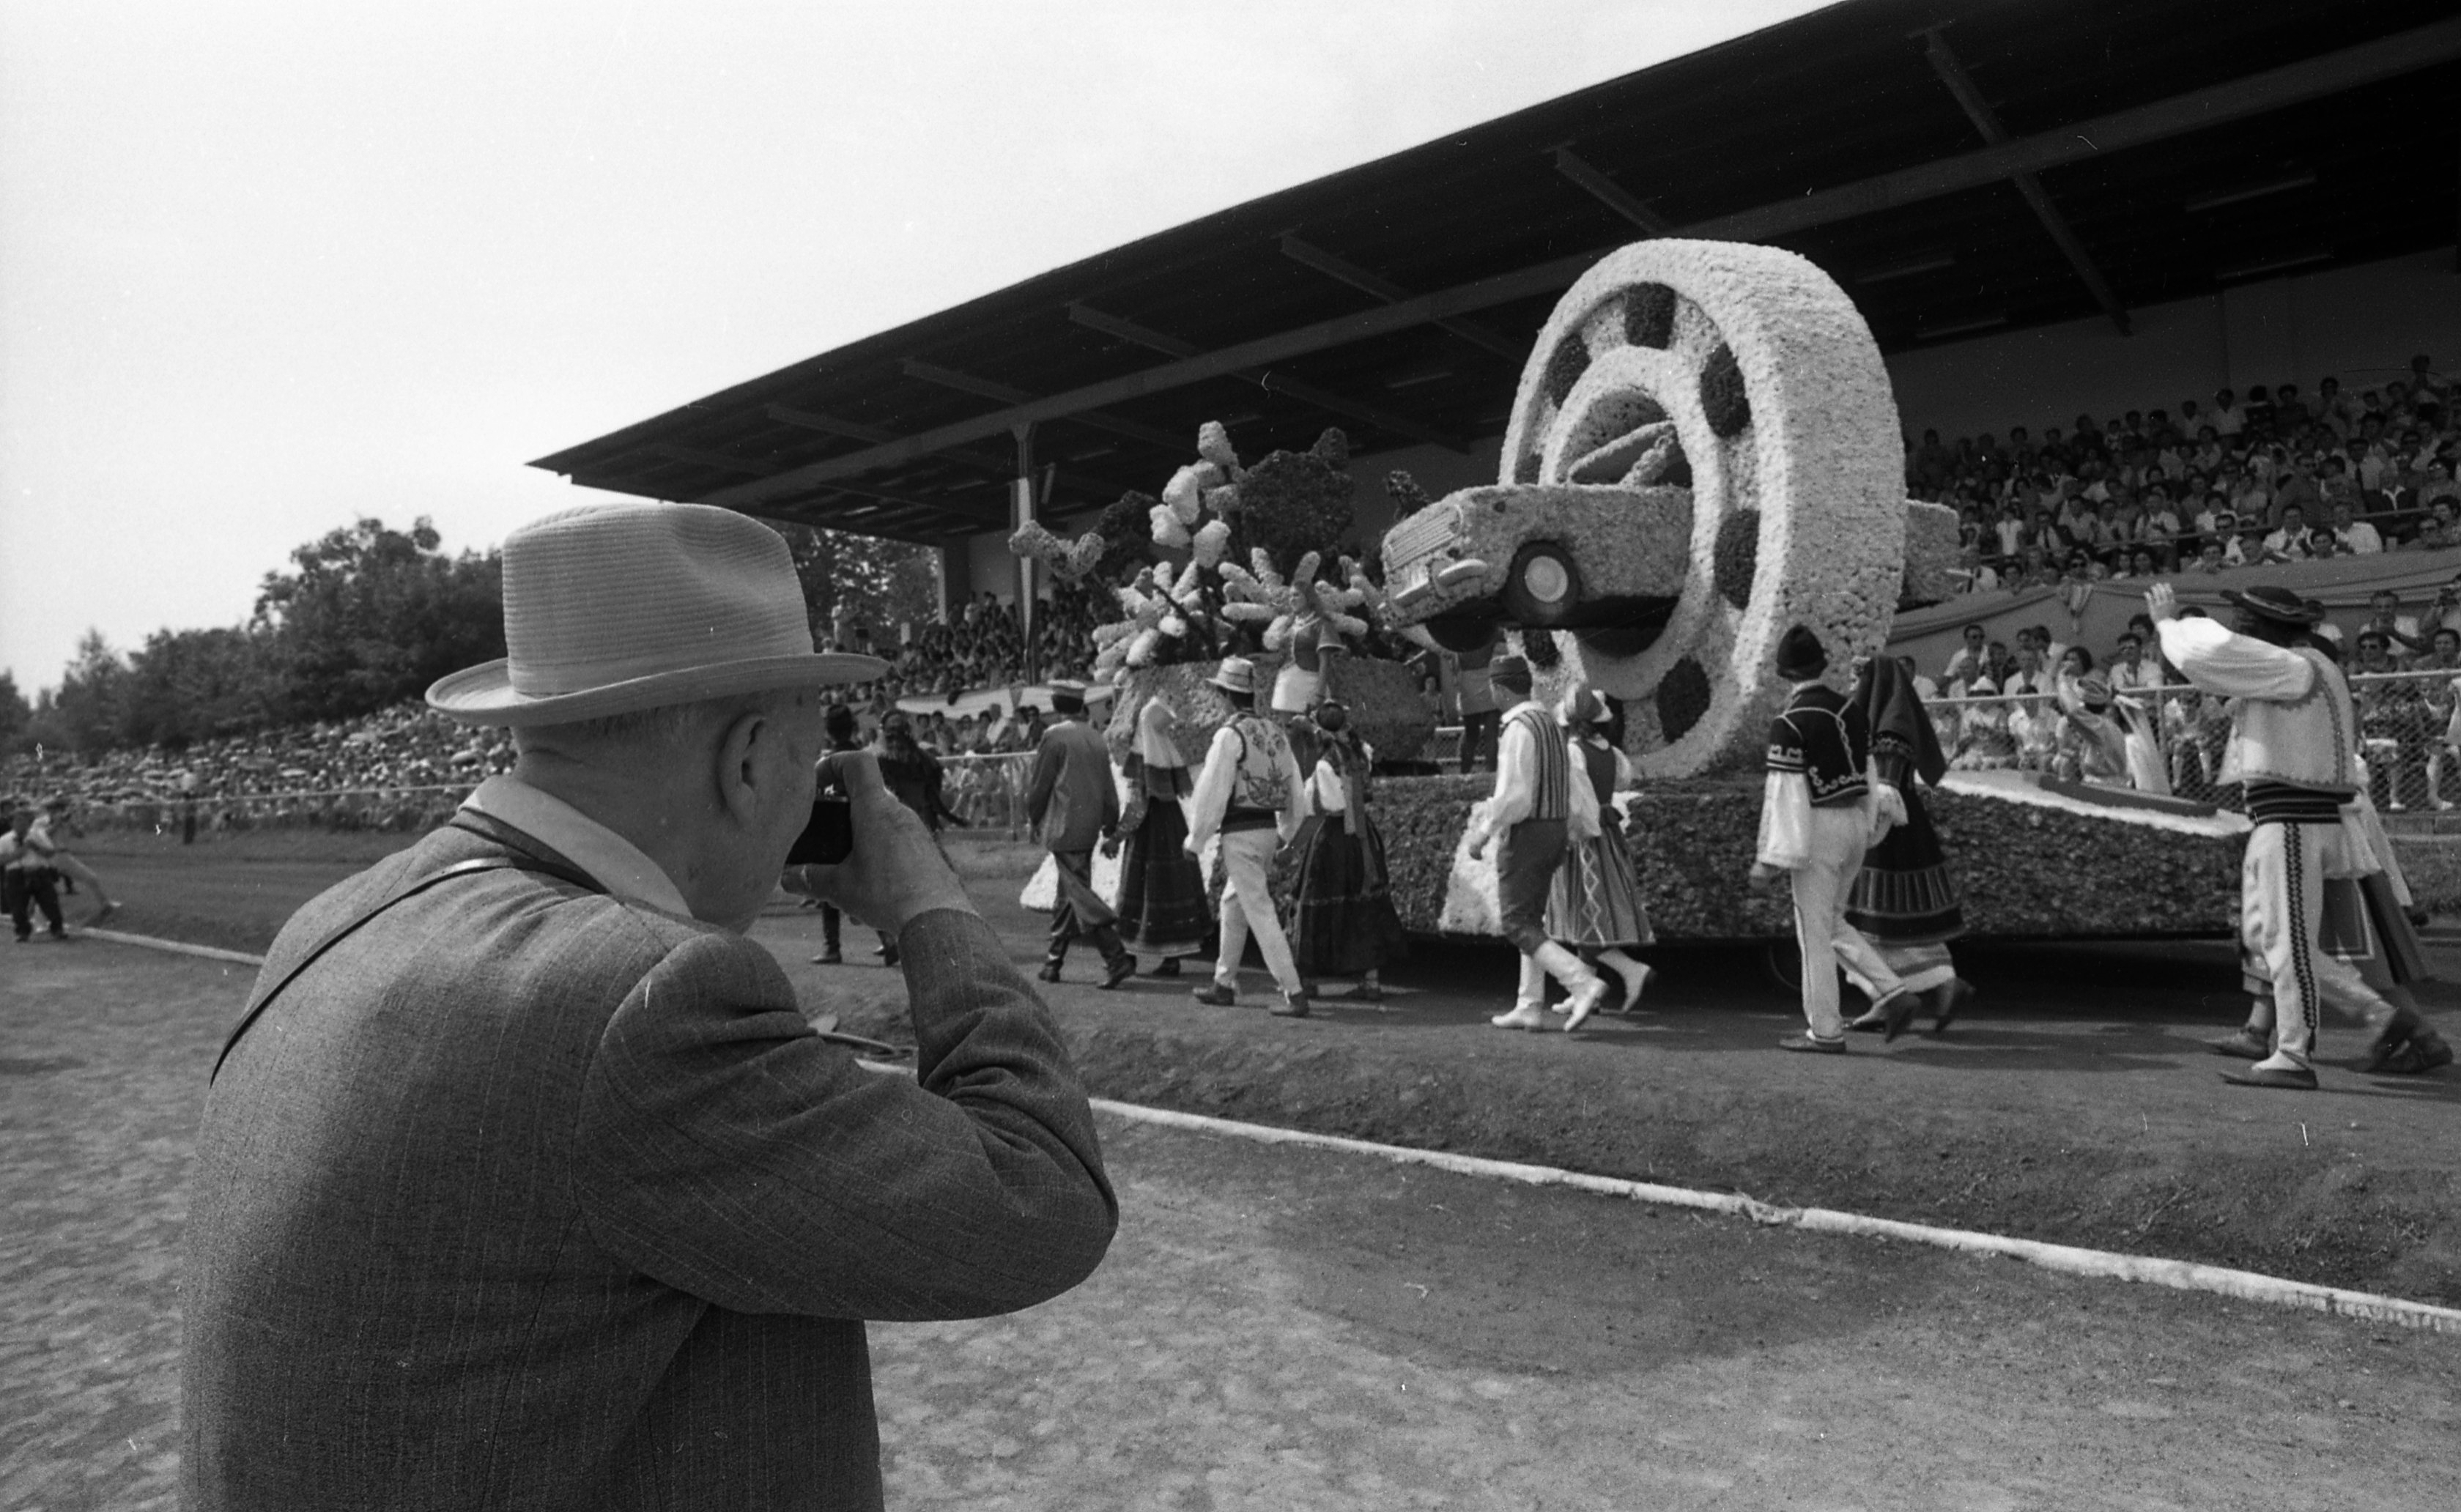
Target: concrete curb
x=2180, y=1275
x=175, y=947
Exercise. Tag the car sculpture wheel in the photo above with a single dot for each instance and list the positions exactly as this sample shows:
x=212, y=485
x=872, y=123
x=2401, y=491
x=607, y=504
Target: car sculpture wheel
x=1737, y=385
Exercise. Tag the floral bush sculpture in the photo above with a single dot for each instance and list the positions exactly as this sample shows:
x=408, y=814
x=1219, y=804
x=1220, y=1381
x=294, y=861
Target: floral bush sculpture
x=1704, y=451
x=1237, y=558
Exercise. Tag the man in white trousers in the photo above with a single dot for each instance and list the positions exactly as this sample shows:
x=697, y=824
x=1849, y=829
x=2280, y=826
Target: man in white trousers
x=1542, y=803
x=2294, y=745
x=1250, y=794
x=1820, y=811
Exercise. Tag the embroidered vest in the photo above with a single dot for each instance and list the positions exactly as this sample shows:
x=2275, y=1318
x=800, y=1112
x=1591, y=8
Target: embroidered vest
x=1550, y=785
x=2308, y=742
x=1818, y=734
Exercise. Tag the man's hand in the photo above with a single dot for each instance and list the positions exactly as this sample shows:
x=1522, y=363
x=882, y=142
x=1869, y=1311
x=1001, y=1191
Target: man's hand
x=1764, y=877
x=894, y=872
x=2162, y=603
x=1111, y=845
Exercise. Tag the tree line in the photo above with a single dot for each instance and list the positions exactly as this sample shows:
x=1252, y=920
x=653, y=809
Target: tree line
x=362, y=618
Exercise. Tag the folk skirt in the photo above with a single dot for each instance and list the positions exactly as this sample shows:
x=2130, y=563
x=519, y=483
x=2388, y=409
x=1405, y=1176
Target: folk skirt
x=1594, y=900
x=1163, y=906
x=1904, y=895
x=1342, y=922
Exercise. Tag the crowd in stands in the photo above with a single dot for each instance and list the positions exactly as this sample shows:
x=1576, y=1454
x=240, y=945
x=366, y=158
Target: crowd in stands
x=980, y=645
x=2271, y=476
x=2124, y=717
x=325, y=765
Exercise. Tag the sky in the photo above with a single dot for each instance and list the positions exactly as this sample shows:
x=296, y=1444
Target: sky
x=266, y=270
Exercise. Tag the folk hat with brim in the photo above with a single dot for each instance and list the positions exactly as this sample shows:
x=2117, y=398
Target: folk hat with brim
x=1800, y=653
x=614, y=608
x=1236, y=674
x=2277, y=603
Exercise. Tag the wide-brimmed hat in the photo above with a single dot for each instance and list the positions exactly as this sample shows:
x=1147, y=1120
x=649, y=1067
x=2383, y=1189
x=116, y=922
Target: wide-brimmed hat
x=1067, y=695
x=1236, y=674
x=2277, y=603
x=616, y=607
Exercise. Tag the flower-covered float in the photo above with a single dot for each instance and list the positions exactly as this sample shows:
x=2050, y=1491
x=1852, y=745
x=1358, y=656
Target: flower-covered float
x=1704, y=449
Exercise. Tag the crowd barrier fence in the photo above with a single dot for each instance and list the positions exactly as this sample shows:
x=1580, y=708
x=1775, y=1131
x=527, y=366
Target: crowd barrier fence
x=2407, y=734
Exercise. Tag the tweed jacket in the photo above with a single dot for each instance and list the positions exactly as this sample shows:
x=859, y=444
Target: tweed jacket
x=1072, y=795
x=523, y=1196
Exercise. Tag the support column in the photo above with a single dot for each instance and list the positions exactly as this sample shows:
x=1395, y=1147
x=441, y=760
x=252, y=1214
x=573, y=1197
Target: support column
x=1021, y=513
x=957, y=576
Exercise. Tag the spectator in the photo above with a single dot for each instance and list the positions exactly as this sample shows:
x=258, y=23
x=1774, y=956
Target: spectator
x=2290, y=543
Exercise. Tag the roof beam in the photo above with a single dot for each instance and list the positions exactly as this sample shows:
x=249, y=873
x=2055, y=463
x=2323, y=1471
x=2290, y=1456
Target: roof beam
x=1308, y=255
x=988, y=389
x=1986, y=120
x=1610, y=193
x=1268, y=380
x=997, y=464
x=2329, y=74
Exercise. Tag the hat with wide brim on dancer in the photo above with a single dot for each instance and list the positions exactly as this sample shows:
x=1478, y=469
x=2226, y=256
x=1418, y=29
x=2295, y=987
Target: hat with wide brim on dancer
x=2278, y=604
x=619, y=607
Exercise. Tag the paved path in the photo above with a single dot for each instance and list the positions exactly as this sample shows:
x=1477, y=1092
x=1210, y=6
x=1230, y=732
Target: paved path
x=1290, y=1329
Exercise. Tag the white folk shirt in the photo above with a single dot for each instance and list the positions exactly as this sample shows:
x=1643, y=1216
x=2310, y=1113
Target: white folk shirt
x=1516, y=785
x=2287, y=722
x=615, y=863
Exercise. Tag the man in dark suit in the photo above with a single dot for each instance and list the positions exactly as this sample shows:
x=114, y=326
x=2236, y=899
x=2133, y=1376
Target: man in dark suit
x=1072, y=799
x=524, y=1183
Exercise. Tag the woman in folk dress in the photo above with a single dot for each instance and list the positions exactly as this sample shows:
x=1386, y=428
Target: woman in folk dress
x=1594, y=905
x=1342, y=922
x=1162, y=902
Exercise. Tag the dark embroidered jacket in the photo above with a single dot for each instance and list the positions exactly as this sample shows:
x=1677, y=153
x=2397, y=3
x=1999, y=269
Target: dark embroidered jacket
x=1821, y=735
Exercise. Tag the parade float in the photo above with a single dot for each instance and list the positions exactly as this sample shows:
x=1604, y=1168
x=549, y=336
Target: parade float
x=1704, y=449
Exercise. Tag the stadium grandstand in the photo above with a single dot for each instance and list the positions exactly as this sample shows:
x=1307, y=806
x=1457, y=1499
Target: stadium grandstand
x=2045, y=210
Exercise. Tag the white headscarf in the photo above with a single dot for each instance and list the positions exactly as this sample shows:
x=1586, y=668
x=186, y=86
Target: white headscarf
x=1154, y=742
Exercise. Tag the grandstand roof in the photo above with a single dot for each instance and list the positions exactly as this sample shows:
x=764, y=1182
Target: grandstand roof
x=2025, y=162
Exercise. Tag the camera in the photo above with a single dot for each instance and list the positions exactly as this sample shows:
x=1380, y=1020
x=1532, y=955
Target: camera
x=828, y=836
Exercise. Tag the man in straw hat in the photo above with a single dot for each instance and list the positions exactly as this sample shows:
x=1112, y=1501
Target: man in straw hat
x=1820, y=815
x=524, y=1183
x=1532, y=817
x=1249, y=793
x=2293, y=743
x=1072, y=801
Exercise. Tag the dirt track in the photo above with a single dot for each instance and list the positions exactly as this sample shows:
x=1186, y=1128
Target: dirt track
x=1282, y=1328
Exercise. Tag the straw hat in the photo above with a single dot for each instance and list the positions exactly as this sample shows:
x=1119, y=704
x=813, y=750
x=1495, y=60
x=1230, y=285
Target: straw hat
x=614, y=608
x=1236, y=674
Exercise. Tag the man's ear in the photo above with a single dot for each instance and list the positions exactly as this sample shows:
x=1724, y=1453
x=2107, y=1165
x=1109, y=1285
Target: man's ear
x=737, y=771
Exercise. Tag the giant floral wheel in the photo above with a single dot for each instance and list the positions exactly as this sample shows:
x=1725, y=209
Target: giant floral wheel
x=1747, y=373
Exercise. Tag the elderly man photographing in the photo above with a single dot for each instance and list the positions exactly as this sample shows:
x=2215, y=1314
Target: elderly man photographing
x=522, y=1182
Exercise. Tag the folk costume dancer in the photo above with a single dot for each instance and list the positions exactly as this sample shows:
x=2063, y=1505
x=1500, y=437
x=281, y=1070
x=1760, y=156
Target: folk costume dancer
x=1249, y=794
x=1820, y=813
x=1072, y=801
x=1342, y=923
x=1594, y=905
x=1162, y=890
x=2293, y=744
x=1904, y=900
x=1542, y=803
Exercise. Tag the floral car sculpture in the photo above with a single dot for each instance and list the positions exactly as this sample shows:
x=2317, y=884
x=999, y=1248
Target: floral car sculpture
x=1704, y=451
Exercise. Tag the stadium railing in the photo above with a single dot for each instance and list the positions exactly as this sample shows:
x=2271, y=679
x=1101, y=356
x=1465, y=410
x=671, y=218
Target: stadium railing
x=2407, y=734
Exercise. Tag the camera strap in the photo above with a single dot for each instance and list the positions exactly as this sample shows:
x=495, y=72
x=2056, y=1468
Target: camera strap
x=474, y=865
